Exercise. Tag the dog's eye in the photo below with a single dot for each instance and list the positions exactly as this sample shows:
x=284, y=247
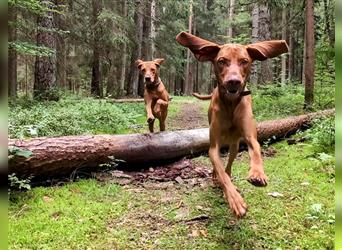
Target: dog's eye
x=143, y=70
x=221, y=62
x=244, y=62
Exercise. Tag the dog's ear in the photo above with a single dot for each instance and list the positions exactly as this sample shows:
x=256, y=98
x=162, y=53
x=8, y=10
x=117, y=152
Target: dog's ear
x=158, y=61
x=262, y=50
x=139, y=63
x=202, y=49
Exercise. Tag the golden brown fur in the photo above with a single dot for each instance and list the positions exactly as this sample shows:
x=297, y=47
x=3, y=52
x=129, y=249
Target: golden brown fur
x=230, y=111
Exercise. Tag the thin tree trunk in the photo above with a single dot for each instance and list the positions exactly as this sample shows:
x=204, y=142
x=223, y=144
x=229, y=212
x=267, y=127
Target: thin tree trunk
x=188, y=81
x=310, y=55
x=291, y=49
x=255, y=37
x=45, y=66
x=283, y=37
x=12, y=53
x=230, y=19
x=153, y=28
x=124, y=56
x=266, y=75
x=95, y=87
x=62, y=155
x=61, y=59
x=136, y=50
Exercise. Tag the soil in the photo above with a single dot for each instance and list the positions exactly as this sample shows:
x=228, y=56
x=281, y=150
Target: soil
x=189, y=117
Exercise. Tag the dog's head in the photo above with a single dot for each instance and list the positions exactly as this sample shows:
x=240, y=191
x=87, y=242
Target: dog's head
x=149, y=69
x=232, y=62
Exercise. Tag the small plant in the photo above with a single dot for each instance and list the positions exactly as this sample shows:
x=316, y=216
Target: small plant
x=322, y=134
x=14, y=183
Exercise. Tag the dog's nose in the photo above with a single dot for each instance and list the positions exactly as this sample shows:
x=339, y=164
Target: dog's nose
x=147, y=78
x=234, y=82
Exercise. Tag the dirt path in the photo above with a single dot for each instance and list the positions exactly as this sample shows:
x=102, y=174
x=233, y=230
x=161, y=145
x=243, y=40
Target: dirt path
x=189, y=117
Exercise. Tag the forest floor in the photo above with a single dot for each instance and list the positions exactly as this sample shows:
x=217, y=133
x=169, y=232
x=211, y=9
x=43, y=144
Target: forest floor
x=178, y=207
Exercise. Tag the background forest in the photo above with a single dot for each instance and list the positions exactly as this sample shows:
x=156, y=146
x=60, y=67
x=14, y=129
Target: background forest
x=89, y=47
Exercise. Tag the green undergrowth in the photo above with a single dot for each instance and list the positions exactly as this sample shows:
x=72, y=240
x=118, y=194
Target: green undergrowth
x=102, y=215
x=74, y=115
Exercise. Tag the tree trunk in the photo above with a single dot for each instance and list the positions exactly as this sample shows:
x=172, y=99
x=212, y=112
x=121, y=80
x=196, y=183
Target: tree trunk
x=266, y=75
x=62, y=155
x=95, y=87
x=12, y=53
x=230, y=19
x=124, y=57
x=45, y=66
x=310, y=55
x=61, y=60
x=291, y=48
x=153, y=28
x=188, y=81
x=136, y=50
x=255, y=37
x=283, y=37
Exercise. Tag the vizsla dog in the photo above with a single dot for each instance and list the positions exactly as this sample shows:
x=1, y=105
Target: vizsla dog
x=230, y=111
x=155, y=94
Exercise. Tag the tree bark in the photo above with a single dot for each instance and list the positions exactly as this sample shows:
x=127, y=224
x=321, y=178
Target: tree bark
x=124, y=56
x=62, y=155
x=283, y=37
x=45, y=66
x=188, y=86
x=291, y=48
x=153, y=28
x=255, y=37
x=132, y=88
x=95, y=87
x=310, y=55
x=12, y=53
x=230, y=19
x=61, y=60
x=266, y=75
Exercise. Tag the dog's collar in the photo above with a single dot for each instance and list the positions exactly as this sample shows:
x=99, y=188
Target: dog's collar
x=153, y=85
x=244, y=93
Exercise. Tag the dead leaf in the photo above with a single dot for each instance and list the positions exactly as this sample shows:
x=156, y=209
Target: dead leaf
x=56, y=215
x=275, y=194
x=194, y=233
x=47, y=199
x=204, y=233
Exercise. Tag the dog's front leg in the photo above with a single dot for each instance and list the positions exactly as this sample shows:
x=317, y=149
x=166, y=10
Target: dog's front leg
x=232, y=196
x=256, y=175
x=148, y=106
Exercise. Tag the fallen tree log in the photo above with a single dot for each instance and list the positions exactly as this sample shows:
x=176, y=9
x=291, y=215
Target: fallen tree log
x=62, y=155
x=125, y=100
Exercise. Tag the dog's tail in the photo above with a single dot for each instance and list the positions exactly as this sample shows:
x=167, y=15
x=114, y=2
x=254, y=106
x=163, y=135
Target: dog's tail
x=202, y=97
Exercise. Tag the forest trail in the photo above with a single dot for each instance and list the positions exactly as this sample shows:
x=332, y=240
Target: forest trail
x=190, y=116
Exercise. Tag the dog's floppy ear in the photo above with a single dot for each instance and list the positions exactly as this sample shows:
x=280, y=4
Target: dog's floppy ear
x=139, y=63
x=158, y=61
x=202, y=49
x=262, y=50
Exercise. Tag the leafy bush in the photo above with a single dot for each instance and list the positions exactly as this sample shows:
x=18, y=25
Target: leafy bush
x=71, y=117
x=322, y=134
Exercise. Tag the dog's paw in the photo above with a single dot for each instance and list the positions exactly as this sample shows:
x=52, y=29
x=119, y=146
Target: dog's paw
x=257, y=178
x=150, y=119
x=236, y=204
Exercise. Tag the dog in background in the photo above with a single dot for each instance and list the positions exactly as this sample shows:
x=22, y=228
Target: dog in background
x=155, y=95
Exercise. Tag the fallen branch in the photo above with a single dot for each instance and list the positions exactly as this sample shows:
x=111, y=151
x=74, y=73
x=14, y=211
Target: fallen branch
x=62, y=155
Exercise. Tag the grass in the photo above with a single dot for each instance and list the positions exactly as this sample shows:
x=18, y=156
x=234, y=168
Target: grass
x=94, y=215
x=89, y=214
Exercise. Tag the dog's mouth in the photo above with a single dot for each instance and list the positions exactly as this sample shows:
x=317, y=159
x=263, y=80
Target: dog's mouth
x=232, y=91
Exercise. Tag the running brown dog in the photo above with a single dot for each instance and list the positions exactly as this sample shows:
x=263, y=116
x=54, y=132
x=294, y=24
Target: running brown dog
x=230, y=112
x=155, y=94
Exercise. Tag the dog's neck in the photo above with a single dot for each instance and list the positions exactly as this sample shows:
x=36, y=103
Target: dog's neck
x=232, y=101
x=153, y=85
